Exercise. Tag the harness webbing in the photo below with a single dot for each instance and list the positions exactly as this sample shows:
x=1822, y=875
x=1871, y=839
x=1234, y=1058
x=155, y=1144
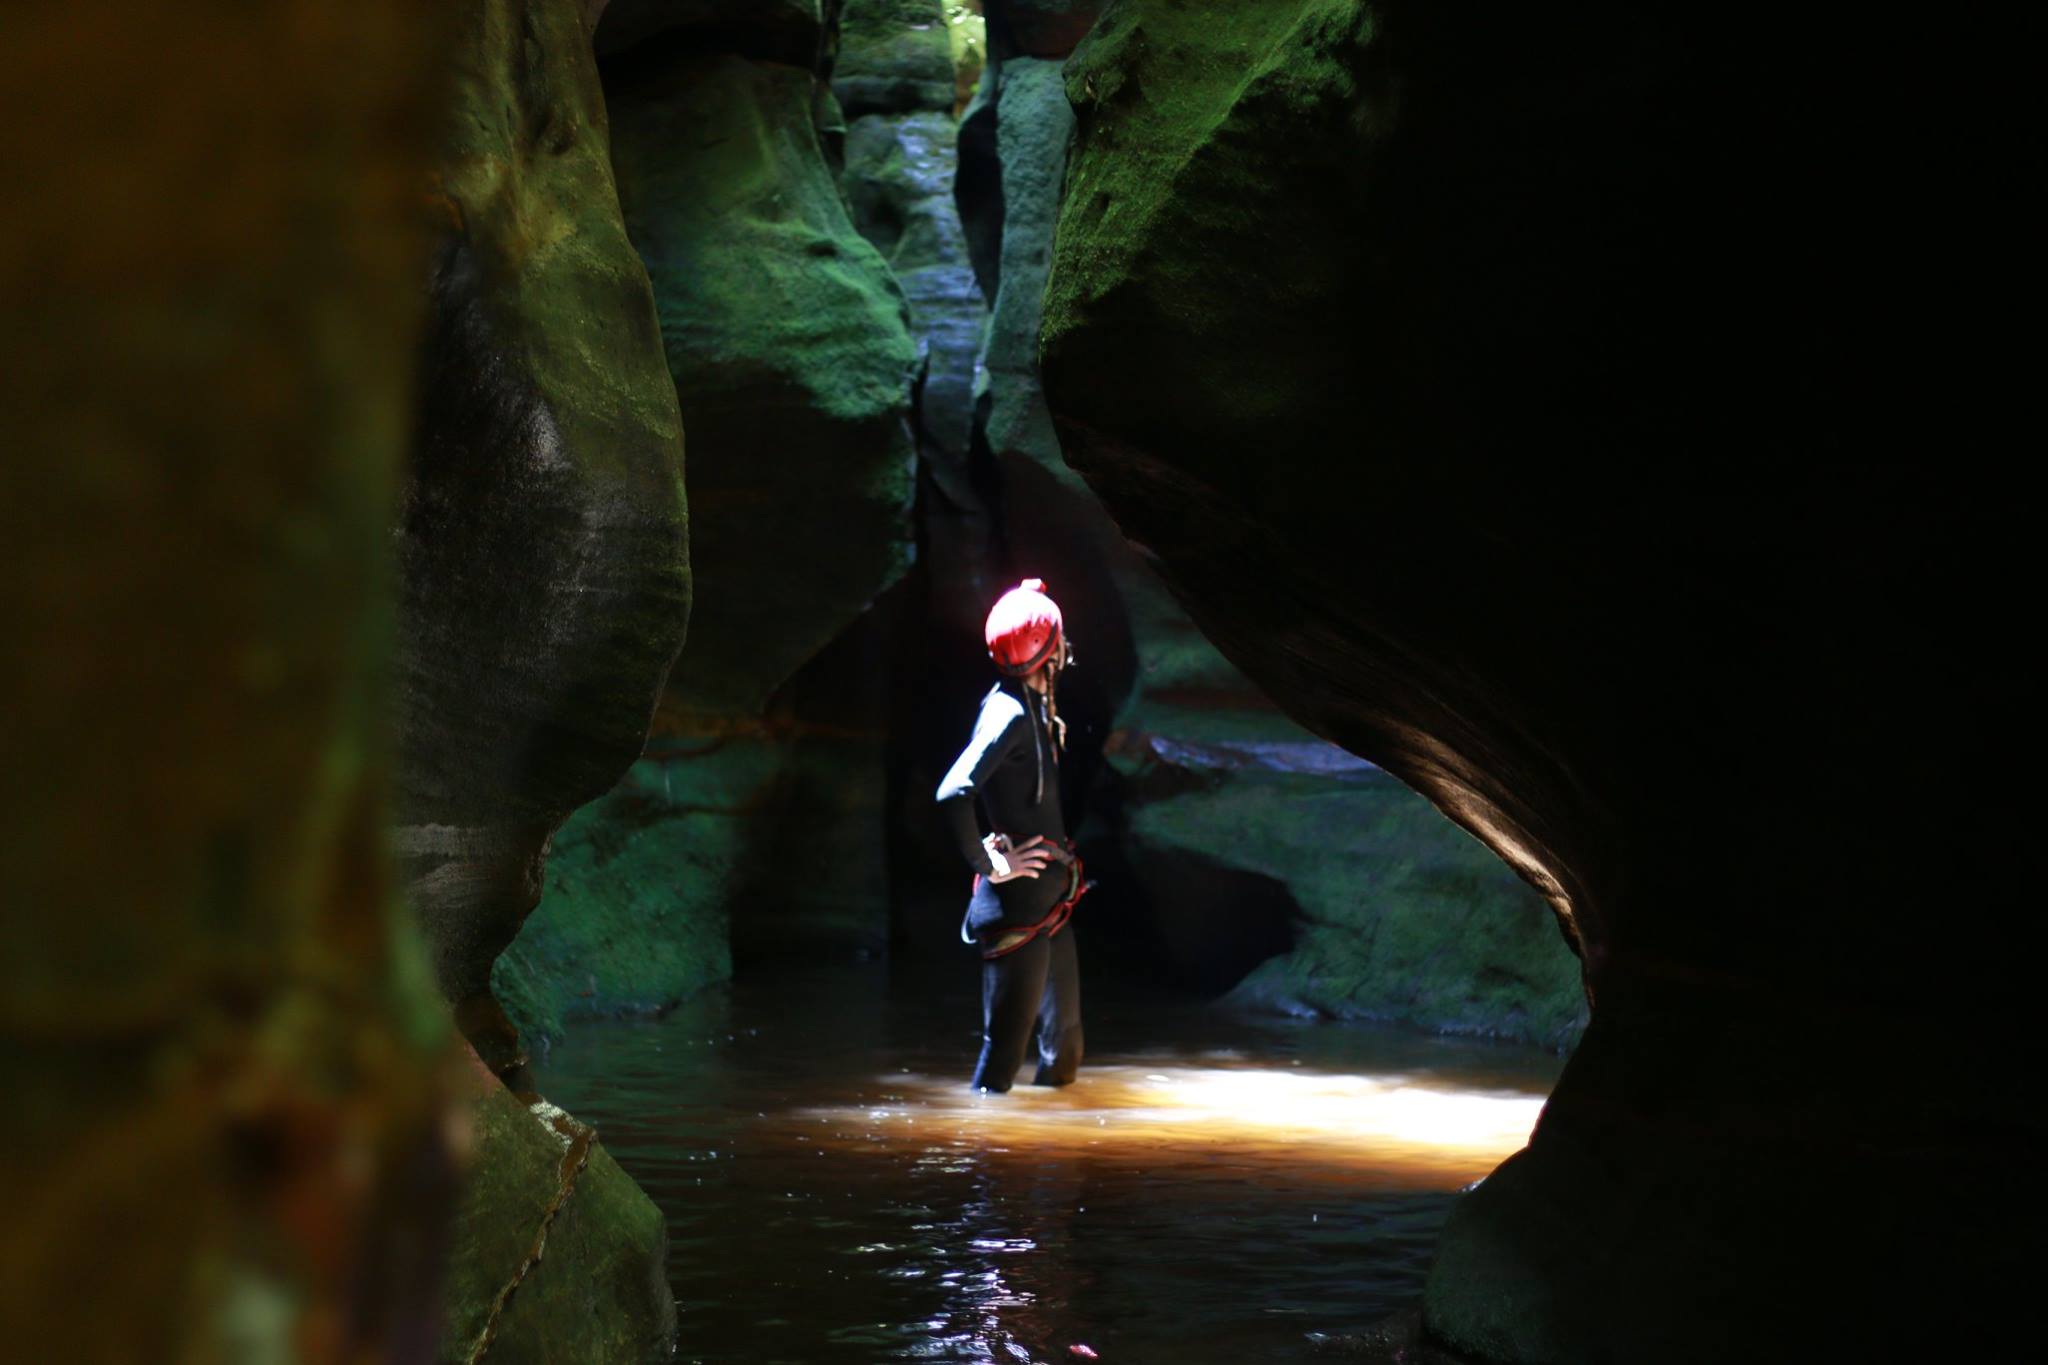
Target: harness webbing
x=1055, y=919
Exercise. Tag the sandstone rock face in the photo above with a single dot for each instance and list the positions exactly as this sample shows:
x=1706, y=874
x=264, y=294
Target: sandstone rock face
x=542, y=559
x=1027, y=105
x=557, y=1254
x=899, y=183
x=789, y=351
x=1471, y=417
x=751, y=838
x=201, y=959
x=900, y=159
x=895, y=56
x=633, y=918
x=1255, y=842
x=544, y=590
x=786, y=343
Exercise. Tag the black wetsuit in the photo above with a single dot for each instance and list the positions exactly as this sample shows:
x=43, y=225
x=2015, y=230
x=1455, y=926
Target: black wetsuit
x=1012, y=764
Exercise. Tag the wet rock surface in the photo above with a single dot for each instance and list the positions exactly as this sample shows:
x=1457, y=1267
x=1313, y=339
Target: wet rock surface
x=557, y=1254
x=544, y=586
x=898, y=180
x=1512, y=471
x=751, y=839
x=755, y=815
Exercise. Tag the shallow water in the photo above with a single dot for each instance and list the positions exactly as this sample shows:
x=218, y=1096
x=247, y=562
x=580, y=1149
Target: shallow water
x=1212, y=1188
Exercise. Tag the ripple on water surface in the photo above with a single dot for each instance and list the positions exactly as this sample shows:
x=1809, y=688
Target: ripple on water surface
x=1210, y=1189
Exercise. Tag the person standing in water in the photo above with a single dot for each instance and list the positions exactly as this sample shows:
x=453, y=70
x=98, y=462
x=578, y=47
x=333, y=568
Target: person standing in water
x=1027, y=876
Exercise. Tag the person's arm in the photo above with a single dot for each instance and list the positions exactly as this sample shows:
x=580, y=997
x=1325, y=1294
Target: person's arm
x=1001, y=726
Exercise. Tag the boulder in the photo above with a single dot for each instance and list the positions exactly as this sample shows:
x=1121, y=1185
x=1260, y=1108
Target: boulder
x=1449, y=374
x=543, y=574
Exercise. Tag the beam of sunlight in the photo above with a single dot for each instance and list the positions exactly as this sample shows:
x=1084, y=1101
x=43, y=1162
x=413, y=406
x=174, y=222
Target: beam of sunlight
x=1399, y=1129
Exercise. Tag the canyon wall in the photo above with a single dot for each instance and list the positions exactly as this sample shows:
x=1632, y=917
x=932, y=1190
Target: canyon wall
x=754, y=818
x=1456, y=375
x=543, y=561
x=1234, y=841
x=226, y=1133
x=544, y=588
x=829, y=343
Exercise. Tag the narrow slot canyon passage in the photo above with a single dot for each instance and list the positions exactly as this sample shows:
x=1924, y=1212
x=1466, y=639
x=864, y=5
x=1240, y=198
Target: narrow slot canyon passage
x=1452, y=572
x=1212, y=1187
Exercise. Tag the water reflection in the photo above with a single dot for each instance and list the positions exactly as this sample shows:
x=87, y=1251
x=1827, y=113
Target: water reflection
x=1392, y=1131
x=834, y=1191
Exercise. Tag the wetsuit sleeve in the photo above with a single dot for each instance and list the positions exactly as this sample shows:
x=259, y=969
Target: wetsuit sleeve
x=997, y=730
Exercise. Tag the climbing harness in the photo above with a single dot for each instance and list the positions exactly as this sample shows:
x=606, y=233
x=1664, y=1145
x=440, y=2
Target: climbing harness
x=1055, y=919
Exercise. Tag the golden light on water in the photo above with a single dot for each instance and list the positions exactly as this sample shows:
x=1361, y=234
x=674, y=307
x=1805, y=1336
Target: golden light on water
x=1384, y=1129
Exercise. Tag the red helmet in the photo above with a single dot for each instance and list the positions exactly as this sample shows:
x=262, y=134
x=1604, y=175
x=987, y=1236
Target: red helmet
x=1023, y=629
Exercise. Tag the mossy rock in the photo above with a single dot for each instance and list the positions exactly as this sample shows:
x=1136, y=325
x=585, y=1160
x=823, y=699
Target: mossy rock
x=733, y=838
x=895, y=56
x=633, y=918
x=1255, y=839
x=1407, y=919
x=791, y=354
x=556, y=1254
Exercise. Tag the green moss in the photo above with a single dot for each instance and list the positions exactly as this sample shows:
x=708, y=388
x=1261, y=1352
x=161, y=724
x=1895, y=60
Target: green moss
x=634, y=915
x=790, y=350
x=1168, y=228
x=750, y=841
x=599, y=1294
x=894, y=56
x=1408, y=920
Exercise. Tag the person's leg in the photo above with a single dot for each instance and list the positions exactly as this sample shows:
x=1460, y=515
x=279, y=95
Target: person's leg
x=1011, y=987
x=1059, y=1015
